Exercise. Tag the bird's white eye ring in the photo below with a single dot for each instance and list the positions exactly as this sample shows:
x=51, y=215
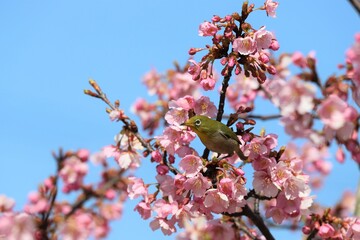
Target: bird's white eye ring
x=197, y=122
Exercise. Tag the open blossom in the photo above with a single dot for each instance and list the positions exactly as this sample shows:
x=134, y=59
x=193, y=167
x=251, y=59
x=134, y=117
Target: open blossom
x=335, y=112
x=270, y=7
x=73, y=173
x=291, y=96
x=37, y=204
x=17, y=226
x=354, y=230
x=244, y=46
x=78, y=226
x=263, y=38
x=199, y=228
x=353, y=56
x=191, y=165
x=326, y=231
x=207, y=29
x=260, y=146
x=163, y=208
x=203, y=106
x=6, y=203
x=174, y=138
x=198, y=185
x=264, y=185
x=167, y=226
x=144, y=209
x=216, y=201
x=136, y=188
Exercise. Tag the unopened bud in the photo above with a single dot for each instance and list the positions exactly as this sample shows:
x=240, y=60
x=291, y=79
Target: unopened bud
x=215, y=18
x=274, y=45
x=95, y=86
x=271, y=69
x=90, y=93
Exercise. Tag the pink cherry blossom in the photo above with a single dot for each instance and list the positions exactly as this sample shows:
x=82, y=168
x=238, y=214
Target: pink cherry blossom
x=6, y=203
x=244, y=46
x=208, y=83
x=263, y=184
x=299, y=60
x=270, y=7
x=260, y=146
x=263, y=39
x=167, y=226
x=144, y=209
x=191, y=165
x=127, y=159
x=335, y=112
x=296, y=186
x=164, y=209
x=198, y=185
x=37, y=204
x=111, y=211
x=98, y=158
x=176, y=116
x=203, y=106
x=166, y=185
x=353, y=57
x=187, y=102
x=292, y=96
x=136, y=188
x=216, y=201
x=326, y=231
x=73, y=173
x=78, y=226
x=354, y=230
x=207, y=29
x=194, y=69
x=116, y=115
x=174, y=137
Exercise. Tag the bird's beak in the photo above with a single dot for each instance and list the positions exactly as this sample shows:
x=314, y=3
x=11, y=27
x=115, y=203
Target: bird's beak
x=185, y=124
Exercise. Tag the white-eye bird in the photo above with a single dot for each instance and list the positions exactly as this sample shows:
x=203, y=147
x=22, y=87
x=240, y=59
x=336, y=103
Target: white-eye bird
x=216, y=136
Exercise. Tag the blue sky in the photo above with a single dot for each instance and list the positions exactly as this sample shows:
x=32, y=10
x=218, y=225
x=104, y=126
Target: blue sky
x=49, y=50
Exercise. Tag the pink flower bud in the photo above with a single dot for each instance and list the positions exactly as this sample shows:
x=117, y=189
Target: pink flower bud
x=274, y=45
x=162, y=169
x=264, y=58
x=340, y=155
x=156, y=156
x=306, y=230
x=215, y=18
x=271, y=70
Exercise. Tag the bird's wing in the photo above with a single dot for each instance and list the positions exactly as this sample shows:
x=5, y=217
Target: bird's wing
x=230, y=135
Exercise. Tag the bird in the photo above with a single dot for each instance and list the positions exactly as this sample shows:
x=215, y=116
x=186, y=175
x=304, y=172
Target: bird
x=216, y=136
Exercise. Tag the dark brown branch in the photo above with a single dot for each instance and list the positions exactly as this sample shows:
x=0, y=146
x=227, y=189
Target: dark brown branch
x=258, y=221
x=265, y=117
x=356, y=5
x=87, y=195
x=225, y=84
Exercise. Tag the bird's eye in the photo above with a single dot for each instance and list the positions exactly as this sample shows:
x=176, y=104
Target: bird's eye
x=197, y=122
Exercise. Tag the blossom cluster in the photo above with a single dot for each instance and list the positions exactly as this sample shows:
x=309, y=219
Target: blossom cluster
x=239, y=47
x=45, y=217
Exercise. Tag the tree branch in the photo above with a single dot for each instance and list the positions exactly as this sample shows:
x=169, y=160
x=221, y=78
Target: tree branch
x=356, y=5
x=225, y=84
x=258, y=221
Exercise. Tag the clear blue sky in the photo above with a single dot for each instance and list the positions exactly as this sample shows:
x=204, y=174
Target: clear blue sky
x=49, y=50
